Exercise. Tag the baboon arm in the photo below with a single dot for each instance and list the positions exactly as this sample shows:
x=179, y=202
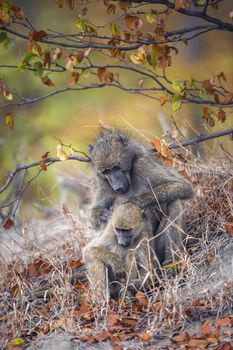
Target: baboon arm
x=164, y=194
x=108, y=258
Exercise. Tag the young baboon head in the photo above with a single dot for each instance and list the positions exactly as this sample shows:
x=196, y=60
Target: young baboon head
x=111, y=159
x=128, y=224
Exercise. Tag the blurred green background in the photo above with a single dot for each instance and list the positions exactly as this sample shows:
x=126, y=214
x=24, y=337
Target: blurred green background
x=74, y=116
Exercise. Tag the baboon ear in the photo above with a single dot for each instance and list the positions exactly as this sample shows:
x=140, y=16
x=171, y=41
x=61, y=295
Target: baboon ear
x=90, y=148
x=122, y=138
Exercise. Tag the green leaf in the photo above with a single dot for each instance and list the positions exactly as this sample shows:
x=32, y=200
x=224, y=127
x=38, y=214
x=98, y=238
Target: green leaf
x=29, y=57
x=38, y=66
x=3, y=36
x=177, y=84
x=192, y=83
x=176, y=102
x=150, y=17
x=153, y=58
x=200, y=2
x=8, y=43
x=17, y=342
x=21, y=67
x=202, y=94
x=80, y=23
x=114, y=28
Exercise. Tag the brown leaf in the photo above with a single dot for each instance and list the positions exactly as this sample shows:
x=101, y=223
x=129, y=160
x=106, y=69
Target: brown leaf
x=32, y=269
x=205, y=328
x=207, y=85
x=229, y=225
x=223, y=322
x=111, y=9
x=46, y=155
x=141, y=298
x=211, y=122
x=42, y=164
x=8, y=223
x=221, y=115
x=132, y=22
x=70, y=4
x=145, y=336
x=205, y=112
x=80, y=56
x=184, y=337
x=17, y=12
x=35, y=36
x=228, y=98
x=226, y=346
x=199, y=343
x=75, y=263
x=222, y=76
x=185, y=41
x=47, y=59
x=74, y=78
x=102, y=336
x=101, y=73
x=45, y=80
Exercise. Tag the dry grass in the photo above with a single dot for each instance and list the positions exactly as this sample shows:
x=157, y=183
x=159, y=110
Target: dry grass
x=200, y=288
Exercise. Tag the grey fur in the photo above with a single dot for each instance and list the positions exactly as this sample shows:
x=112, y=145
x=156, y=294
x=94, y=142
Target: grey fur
x=153, y=186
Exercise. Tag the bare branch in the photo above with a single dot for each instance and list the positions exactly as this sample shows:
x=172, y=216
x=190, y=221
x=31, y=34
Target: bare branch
x=201, y=138
x=49, y=161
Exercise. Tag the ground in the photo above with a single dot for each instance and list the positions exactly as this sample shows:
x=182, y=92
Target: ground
x=45, y=305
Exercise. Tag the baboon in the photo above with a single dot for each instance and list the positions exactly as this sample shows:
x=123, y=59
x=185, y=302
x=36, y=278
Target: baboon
x=126, y=170
x=124, y=250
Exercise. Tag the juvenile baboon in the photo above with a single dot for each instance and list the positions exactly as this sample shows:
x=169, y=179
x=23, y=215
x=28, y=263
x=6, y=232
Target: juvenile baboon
x=123, y=249
x=126, y=170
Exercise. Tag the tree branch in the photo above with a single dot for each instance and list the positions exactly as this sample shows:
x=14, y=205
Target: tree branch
x=221, y=25
x=201, y=138
x=11, y=176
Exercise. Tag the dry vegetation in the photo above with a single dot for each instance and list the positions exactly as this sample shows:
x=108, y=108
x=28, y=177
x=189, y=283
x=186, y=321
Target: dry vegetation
x=192, y=309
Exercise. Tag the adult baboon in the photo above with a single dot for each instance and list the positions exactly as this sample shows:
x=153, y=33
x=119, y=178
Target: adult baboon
x=124, y=250
x=126, y=170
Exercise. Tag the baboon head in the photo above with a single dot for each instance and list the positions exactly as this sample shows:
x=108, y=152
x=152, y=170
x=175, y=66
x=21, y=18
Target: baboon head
x=112, y=160
x=128, y=224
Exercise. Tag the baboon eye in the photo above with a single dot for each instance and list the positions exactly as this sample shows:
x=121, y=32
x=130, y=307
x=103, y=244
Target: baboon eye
x=123, y=230
x=107, y=171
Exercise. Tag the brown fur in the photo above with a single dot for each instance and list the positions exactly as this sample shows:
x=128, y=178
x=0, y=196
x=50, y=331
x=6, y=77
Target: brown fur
x=152, y=186
x=133, y=262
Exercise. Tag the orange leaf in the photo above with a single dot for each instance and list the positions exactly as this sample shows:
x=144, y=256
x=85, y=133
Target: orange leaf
x=42, y=164
x=229, y=225
x=199, y=343
x=8, y=223
x=35, y=36
x=181, y=338
x=101, y=73
x=205, y=328
x=140, y=296
x=75, y=263
x=102, y=336
x=144, y=336
x=223, y=322
x=221, y=115
x=133, y=22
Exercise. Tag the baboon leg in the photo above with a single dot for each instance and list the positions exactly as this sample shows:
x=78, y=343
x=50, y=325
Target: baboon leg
x=170, y=234
x=97, y=278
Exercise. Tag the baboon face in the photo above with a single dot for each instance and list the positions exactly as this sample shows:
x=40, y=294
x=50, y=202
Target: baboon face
x=111, y=160
x=127, y=222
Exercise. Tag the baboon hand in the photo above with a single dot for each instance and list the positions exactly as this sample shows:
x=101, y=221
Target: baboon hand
x=118, y=268
x=99, y=216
